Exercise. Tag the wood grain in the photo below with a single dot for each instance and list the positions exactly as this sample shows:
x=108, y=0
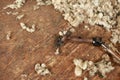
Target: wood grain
x=19, y=54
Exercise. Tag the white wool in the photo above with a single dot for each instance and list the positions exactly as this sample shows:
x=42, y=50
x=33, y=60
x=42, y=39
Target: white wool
x=41, y=69
x=20, y=16
x=78, y=71
x=85, y=78
x=94, y=12
x=104, y=66
x=16, y=4
x=24, y=27
x=8, y=36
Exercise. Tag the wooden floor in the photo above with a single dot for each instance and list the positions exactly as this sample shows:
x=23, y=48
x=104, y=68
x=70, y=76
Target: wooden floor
x=19, y=54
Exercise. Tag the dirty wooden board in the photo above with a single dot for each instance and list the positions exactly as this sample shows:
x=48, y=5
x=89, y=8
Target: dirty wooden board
x=19, y=54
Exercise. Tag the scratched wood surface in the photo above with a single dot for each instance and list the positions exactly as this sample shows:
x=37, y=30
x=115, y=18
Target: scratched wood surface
x=19, y=54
